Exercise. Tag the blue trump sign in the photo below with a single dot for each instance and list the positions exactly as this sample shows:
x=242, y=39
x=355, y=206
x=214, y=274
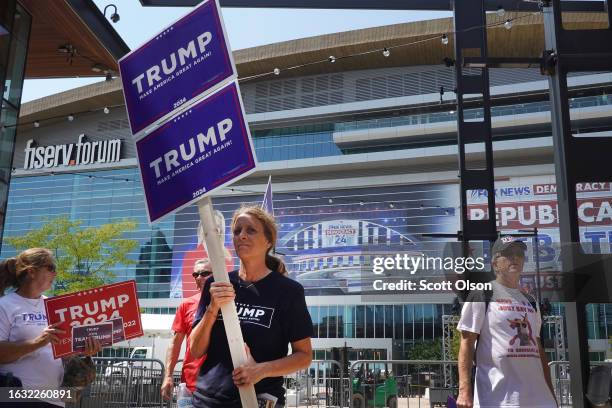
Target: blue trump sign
x=182, y=62
x=202, y=149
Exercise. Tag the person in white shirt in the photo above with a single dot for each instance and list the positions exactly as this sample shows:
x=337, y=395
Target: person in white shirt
x=25, y=335
x=500, y=332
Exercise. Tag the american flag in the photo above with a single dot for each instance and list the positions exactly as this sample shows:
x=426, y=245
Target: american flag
x=267, y=203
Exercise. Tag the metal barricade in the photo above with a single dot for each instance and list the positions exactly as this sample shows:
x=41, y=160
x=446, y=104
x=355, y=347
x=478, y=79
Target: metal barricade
x=122, y=382
x=401, y=383
x=323, y=384
x=368, y=383
x=559, y=374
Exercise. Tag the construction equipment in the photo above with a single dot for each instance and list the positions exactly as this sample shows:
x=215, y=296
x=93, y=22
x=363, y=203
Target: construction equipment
x=374, y=388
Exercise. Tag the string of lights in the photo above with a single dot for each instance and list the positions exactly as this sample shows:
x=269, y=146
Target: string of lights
x=70, y=118
x=85, y=175
x=385, y=51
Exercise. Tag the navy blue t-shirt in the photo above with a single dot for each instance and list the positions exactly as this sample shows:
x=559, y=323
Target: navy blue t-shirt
x=272, y=313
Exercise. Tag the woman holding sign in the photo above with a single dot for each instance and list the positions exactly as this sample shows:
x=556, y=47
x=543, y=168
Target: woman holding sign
x=272, y=312
x=25, y=336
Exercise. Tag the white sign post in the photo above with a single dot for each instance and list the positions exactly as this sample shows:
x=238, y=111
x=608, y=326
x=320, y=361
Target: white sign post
x=230, y=316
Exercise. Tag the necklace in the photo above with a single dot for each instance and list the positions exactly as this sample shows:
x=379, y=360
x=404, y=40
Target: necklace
x=250, y=285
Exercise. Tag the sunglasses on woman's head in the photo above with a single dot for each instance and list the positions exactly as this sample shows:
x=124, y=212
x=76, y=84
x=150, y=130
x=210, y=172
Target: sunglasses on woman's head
x=203, y=273
x=51, y=267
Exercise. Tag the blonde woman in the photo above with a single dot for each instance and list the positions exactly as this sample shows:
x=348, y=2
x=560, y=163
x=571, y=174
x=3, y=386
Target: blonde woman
x=272, y=312
x=25, y=335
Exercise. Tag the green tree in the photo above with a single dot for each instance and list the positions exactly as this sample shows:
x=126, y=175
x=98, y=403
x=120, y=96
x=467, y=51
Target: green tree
x=456, y=343
x=426, y=350
x=84, y=256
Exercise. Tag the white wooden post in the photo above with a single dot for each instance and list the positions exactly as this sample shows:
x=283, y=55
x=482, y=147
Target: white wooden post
x=216, y=255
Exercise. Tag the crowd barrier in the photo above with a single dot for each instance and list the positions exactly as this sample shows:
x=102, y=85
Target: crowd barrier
x=561, y=378
x=402, y=383
x=326, y=383
x=559, y=374
x=124, y=382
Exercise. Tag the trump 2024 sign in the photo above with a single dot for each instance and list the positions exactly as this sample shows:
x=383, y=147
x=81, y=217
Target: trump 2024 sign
x=205, y=147
x=182, y=62
x=108, y=311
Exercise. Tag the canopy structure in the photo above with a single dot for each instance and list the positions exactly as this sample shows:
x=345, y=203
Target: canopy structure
x=71, y=38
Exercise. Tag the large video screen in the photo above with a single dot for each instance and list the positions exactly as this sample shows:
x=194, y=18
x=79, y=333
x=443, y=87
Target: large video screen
x=325, y=236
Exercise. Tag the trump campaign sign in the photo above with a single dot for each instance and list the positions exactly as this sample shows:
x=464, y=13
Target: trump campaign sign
x=191, y=134
x=112, y=311
x=204, y=148
x=182, y=62
x=188, y=121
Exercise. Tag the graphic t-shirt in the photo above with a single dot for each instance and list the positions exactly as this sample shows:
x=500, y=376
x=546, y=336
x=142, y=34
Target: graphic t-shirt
x=23, y=319
x=508, y=367
x=272, y=313
x=183, y=323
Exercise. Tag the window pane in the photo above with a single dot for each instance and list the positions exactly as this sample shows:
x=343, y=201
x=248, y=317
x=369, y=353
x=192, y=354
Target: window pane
x=324, y=320
x=360, y=331
x=369, y=318
x=379, y=329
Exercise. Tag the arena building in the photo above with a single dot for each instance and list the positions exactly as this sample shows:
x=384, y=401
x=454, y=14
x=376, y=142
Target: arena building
x=51, y=39
x=362, y=153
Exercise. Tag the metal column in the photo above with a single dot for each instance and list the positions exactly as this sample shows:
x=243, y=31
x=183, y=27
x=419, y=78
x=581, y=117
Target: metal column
x=577, y=160
x=471, y=40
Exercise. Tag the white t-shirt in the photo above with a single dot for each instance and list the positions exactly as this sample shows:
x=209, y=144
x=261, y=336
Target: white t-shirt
x=508, y=367
x=24, y=319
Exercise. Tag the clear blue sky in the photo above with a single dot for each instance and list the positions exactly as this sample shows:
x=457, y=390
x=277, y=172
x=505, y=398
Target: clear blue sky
x=246, y=28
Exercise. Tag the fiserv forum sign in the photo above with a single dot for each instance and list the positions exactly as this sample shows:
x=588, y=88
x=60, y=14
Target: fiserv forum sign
x=182, y=62
x=82, y=152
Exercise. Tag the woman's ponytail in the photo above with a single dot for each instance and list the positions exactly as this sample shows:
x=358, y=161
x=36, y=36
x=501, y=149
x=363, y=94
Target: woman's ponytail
x=276, y=264
x=13, y=271
x=8, y=274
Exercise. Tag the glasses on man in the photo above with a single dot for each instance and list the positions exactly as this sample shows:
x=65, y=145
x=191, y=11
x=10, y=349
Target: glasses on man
x=204, y=274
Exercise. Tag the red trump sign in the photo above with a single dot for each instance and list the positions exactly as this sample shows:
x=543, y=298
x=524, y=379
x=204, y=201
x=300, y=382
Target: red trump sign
x=92, y=307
